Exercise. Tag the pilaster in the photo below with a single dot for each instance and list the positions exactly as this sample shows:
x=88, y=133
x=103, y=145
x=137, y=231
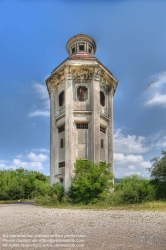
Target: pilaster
x=52, y=137
x=68, y=130
x=110, y=132
x=96, y=120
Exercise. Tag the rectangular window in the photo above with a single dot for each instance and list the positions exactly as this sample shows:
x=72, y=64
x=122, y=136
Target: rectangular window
x=61, y=164
x=73, y=50
x=61, y=143
x=81, y=47
x=102, y=143
x=61, y=129
x=103, y=130
x=61, y=180
x=82, y=125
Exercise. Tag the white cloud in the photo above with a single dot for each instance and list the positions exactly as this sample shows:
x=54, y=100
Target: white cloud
x=17, y=163
x=42, y=94
x=131, y=167
x=19, y=156
x=155, y=92
x=39, y=113
x=41, y=150
x=3, y=161
x=41, y=90
x=123, y=159
x=2, y=165
x=161, y=143
x=134, y=163
x=133, y=173
x=130, y=144
x=38, y=158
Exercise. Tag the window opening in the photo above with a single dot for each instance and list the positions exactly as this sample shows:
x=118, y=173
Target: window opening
x=61, y=143
x=81, y=47
x=73, y=50
x=61, y=98
x=103, y=130
x=82, y=93
x=61, y=129
x=102, y=143
x=102, y=99
x=89, y=49
x=61, y=164
x=82, y=125
x=61, y=180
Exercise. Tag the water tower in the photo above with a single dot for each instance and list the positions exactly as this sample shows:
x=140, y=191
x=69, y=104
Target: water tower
x=81, y=91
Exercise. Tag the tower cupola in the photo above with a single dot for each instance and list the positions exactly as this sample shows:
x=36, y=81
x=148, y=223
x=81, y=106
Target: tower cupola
x=81, y=44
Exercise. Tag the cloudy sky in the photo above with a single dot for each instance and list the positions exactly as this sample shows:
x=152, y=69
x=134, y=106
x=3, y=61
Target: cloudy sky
x=131, y=43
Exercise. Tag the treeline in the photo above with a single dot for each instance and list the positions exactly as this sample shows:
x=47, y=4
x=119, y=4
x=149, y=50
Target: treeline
x=22, y=184
x=92, y=183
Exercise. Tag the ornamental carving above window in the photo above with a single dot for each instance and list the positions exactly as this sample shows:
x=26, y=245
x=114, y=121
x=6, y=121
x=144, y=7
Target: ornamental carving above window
x=82, y=94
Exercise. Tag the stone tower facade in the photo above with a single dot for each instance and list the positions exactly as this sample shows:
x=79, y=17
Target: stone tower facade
x=81, y=91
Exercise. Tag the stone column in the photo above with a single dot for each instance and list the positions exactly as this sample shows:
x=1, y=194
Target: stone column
x=68, y=131
x=96, y=120
x=52, y=136
x=110, y=132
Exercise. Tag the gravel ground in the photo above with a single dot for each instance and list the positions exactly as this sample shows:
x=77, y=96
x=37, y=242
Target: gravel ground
x=24, y=226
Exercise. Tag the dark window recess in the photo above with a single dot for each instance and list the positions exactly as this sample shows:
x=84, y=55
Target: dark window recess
x=81, y=47
x=82, y=93
x=102, y=143
x=103, y=130
x=61, y=164
x=61, y=180
x=102, y=99
x=61, y=143
x=73, y=50
x=82, y=125
x=62, y=98
x=89, y=50
x=61, y=129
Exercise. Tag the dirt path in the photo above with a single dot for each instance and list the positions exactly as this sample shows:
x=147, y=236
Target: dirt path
x=24, y=226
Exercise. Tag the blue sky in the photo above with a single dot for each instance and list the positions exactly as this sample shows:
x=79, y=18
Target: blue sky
x=131, y=43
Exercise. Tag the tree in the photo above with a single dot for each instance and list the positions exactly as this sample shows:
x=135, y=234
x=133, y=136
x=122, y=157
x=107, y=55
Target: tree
x=91, y=181
x=135, y=189
x=158, y=175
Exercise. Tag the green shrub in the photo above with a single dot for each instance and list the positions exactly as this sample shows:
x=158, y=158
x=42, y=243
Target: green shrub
x=57, y=191
x=136, y=189
x=91, y=181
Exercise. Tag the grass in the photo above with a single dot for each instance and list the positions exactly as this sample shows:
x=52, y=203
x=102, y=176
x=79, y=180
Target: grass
x=147, y=206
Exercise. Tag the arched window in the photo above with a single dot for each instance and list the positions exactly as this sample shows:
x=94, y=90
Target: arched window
x=102, y=98
x=62, y=98
x=82, y=93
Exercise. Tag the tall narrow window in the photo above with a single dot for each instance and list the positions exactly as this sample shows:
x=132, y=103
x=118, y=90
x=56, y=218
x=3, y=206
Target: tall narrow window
x=102, y=99
x=102, y=143
x=62, y=98
x=73, y=50
x=82, y=93
x=61, y=143
x=89, y=49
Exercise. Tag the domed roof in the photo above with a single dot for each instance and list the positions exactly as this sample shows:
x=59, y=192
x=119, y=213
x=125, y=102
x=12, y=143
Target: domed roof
x=81, y=43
